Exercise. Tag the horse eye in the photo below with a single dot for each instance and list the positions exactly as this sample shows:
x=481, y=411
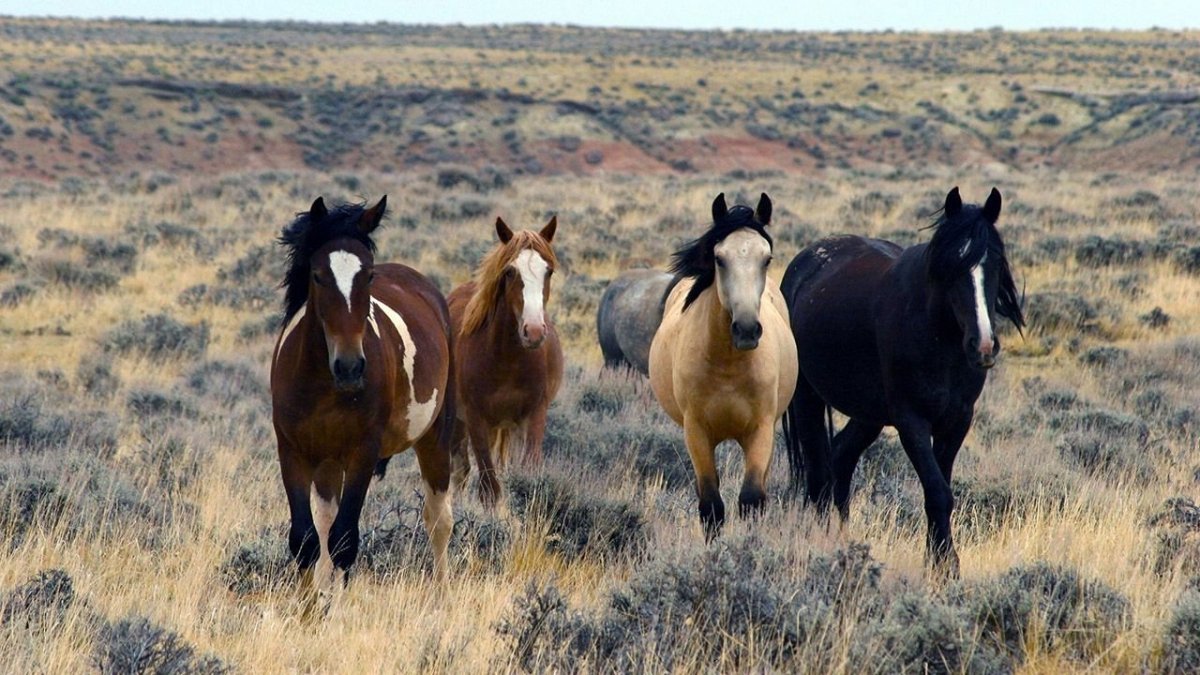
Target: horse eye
x=720, y=263
x=371, y=277
x=317, y=279
x=767, y=262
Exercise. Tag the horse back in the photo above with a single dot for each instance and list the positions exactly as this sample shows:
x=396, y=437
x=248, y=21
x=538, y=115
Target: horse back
x=831, y=289
x=629, y=314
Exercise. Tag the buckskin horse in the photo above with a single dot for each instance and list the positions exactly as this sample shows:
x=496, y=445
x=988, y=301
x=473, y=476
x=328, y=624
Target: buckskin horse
x=361, y=371
x=723, y=362
x=508, y=360
x=901, y=338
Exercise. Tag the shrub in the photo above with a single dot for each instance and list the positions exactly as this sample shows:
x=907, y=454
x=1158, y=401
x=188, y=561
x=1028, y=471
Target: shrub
x=228, y=383
x=35, y=418
x=158, y=336
x=136, y=645
x=1096, y=251
x=96, y=376
x=42, y=600
x=1181, y=644
x=579, y=524
x=259, y=565
x=394, y=539
x=920, y=633
x=1082, y=617
x=699, y=608
x=1176, y=527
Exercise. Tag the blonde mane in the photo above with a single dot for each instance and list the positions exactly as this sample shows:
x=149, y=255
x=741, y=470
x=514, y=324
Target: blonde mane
x=490, y=273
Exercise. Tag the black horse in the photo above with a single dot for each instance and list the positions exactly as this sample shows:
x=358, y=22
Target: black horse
x=896, y=337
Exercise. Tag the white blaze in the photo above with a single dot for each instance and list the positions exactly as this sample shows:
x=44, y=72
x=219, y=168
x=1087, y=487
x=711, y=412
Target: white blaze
x=532, y=268
x=344, y=267
x=420, y=414
x=981, y=310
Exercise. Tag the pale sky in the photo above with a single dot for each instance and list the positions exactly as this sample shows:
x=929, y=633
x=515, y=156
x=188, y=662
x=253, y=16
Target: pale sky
x=751, y=14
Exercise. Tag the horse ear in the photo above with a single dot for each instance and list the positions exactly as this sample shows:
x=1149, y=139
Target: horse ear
x=719, y=208
x=548, y=231
x=503, y=231
x=991, y=209
x=764, y=209
x=953, y=203
x=318, y=211
x=371, y=218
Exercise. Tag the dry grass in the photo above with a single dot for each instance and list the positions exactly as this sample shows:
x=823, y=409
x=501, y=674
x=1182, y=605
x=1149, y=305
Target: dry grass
x=157, y=470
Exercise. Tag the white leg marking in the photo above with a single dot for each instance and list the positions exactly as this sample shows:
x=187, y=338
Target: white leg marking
x=324, y=512
x=344, y=267
x=288, y=330
x=981, y=311
x=532, y=268
x=439, y=521
x=420, y=414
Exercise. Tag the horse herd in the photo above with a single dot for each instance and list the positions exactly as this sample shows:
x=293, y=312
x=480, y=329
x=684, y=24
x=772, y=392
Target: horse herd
x=372, y=360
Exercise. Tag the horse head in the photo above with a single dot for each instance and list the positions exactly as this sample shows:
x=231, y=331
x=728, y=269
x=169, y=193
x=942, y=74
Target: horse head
x=970, y=274
x=525, y=288
x=341, y=269
x=741, y=261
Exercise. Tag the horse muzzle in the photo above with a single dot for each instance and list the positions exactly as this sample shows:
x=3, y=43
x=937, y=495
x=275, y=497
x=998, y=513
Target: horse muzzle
x=746, y=335
x=532, y=336
x=348, y=373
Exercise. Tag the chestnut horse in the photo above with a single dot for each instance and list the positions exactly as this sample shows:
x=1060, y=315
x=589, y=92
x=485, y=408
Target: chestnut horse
x=508, y=360
x=361, y=371
x=723, y=362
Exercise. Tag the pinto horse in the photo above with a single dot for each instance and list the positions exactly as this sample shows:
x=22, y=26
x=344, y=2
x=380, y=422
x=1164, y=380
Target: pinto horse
x=901, y=338
x=629, y=313
x=361, y=371
x=508, y=360
x=723, y=363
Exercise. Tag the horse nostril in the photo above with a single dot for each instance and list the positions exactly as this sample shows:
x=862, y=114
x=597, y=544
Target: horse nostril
x=758, y=329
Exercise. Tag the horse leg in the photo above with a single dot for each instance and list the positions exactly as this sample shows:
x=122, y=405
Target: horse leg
x=708, y=488
x=325, y=495
x=344, y=535
x=535, y=433
x=848, y=447
x=481, y=445
x=807, y=433
x=948, y=441
x=757, y=447
x=303, y=541
x=436, y=468
x=939, y=499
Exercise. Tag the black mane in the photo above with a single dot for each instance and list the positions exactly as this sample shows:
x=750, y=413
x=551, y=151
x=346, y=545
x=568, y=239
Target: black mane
x=695, y=259
x=947, y=260
x=304, y=237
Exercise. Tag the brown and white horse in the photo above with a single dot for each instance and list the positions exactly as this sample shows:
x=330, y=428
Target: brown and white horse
x=508, y=360
x=361, y=371
x=723, y=362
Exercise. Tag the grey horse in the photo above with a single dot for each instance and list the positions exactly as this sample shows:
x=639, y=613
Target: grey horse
x=630, y=311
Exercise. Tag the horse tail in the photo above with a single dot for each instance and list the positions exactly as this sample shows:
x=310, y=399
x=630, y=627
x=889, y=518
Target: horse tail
x=829, y=426
x=792, y=442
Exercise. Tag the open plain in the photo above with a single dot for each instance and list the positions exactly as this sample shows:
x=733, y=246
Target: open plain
x=146, y=170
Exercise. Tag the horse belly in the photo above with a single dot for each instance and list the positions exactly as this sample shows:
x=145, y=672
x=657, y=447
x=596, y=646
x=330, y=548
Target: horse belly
x=839, y=358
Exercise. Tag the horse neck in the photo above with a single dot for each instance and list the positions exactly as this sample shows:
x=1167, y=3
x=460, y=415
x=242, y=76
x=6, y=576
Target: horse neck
x=717, y=321
x=500, y=329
